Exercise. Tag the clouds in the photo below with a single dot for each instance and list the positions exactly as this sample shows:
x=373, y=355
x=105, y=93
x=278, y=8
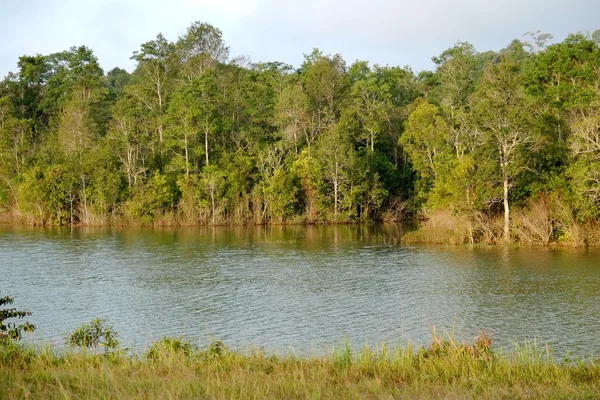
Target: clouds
x=382, y=31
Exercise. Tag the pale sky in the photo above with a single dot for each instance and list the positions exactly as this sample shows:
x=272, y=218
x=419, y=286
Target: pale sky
x=384, y=32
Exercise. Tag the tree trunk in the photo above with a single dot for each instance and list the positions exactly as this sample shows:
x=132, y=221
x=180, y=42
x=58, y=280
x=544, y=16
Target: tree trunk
x=335, y=195
x=372, y=142
x=212, y=198
x=335, y=190
x=206, y=145
x=506, y=212
x=296, y=137
x=71, y=200
x=187, y=159
x=84, y=192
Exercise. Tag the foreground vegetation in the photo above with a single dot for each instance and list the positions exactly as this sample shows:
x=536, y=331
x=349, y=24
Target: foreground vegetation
x=495, y=146
x=94, y=366
x=172, y=368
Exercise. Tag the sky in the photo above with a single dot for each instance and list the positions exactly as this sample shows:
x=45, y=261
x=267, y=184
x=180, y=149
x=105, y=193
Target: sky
x=384, y=32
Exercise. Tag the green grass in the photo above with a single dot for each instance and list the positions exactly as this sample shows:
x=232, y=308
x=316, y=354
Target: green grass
x=172, y=369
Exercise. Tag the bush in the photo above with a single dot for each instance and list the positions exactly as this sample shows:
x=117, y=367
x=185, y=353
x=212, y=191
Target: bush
x=10, y=330
x=96, y=333
x=216, y=349
x=169, y=345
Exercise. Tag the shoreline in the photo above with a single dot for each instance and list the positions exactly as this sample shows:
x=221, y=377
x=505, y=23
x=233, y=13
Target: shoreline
x=412, y=236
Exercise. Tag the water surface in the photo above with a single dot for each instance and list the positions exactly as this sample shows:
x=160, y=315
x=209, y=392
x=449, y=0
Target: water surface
x=304, y=288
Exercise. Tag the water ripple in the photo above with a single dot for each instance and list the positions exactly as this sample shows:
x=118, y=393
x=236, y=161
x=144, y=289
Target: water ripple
x=296, y=287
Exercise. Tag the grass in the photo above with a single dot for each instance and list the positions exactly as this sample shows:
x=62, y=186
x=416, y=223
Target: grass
x=173, y=369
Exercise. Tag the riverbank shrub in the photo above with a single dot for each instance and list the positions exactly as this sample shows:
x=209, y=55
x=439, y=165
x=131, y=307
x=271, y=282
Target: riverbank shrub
x=93, y=335
x=169, y=346
x=10, y=330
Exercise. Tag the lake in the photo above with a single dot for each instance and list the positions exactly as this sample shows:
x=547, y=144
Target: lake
x=296, y=288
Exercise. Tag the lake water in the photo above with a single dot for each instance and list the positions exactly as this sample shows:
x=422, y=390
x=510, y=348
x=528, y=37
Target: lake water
x=300, y=288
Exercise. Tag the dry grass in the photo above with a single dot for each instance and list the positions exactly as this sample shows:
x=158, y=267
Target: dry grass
x=169, y=370
x=536, y=224
x=445, y=227
x=546, y=221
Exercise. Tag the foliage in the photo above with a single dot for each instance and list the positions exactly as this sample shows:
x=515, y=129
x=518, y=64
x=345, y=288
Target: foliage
x=194, y=136
x=169, y=346
x=9, y=329
x=96, y=333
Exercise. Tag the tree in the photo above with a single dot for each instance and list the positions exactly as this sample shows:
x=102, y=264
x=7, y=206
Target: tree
x=336, y=160
x=16, y=139
x=130, y=137
x=564, y=77
x=372, y=106
x=324, y=82
x=182, y=128
x=425, y=137
x=117, y=79
x=205, y=91
x=456, y=68
x=213, y=182
x=27, y=89
x=459, y=72
x=539, y=40
x=584, y=144
x=504, y=115
x=291, y=113
x=153, y=78
x=404, y=88
x=201, y=47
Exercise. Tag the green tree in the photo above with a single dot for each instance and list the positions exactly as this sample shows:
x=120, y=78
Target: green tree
x=336, y=160
x=213, y=181
x=291, y=113
x=457, y=72
x=182, y=126
x=116, y=80
x=205, y=90
x=371, y=104
x=201, y=47
x=324, y=81
x=426, y=135
x=16, y=140
x=130, y=137
x=504, y=115
x=584, y=142
x=153, y=79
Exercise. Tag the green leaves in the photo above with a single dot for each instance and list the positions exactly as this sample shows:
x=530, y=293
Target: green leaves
x=425, y=137
x=96, y=333
x=193, y=136
x=12, y=330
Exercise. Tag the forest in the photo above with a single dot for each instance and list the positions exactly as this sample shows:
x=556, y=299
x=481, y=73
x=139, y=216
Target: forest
x=489, y=147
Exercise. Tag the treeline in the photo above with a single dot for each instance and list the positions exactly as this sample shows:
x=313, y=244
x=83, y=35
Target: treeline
x=194, y=136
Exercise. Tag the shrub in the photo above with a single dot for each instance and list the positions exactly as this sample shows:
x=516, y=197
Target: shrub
x=169, y=345
x=216, y=349
x=96, y=333
x=10, y=330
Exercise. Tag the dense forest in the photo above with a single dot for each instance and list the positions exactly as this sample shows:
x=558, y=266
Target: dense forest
x=488, y=147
